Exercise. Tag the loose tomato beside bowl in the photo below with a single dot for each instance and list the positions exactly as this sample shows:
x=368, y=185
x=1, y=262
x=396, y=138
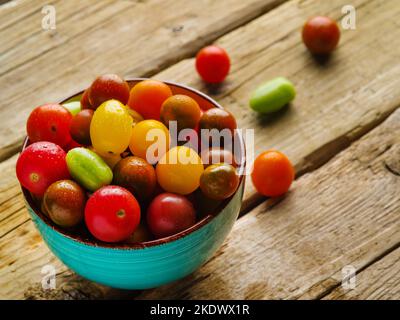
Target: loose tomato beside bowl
x=140, y=265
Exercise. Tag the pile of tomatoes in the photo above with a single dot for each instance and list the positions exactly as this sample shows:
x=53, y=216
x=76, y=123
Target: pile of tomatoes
x=91, y=163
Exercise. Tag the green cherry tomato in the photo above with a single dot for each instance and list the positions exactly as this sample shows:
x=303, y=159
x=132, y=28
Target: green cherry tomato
x=272, y=95
x=88, y=169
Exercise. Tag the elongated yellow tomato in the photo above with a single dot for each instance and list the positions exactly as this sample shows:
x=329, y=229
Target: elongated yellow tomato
x=111, y=128
x=179, y=170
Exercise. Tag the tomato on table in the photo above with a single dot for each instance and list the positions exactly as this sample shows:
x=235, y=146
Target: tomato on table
x=112, y=214
x=321, y=35
x=272, y=173
x=213, y=64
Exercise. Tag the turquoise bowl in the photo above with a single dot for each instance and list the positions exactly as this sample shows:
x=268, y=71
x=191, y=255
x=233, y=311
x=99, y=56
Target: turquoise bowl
x=148, y=264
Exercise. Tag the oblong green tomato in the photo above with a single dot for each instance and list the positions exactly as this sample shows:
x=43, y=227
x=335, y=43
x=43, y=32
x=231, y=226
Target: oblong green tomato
x=111, y=128
x=88, y=169
x=272, y=95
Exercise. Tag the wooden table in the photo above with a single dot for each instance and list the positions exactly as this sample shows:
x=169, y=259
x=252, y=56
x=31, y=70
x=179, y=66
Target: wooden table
x=342, y=132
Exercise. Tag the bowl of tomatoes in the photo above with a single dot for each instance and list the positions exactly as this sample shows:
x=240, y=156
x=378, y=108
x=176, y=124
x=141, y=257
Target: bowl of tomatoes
x=113, y=207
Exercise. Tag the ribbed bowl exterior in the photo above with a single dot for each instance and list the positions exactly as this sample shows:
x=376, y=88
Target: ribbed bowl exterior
x=142, y=268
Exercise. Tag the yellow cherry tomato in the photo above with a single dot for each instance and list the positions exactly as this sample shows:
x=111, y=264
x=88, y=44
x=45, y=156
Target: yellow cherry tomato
x=111, y=128
x=150, y=140
x=179, y=170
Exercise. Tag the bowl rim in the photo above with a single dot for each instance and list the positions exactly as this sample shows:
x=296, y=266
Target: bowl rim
x=152, y=243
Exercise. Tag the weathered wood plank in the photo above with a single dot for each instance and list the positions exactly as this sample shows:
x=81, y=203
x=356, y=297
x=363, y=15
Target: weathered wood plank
x=337, y=100
x=380, y=281
x=345, y=213
x=50, y=65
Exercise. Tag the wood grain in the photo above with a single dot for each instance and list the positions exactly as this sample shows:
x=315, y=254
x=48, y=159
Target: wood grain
x=338, y=101
x=345, y=213
x=381, y=281
x=39, y=66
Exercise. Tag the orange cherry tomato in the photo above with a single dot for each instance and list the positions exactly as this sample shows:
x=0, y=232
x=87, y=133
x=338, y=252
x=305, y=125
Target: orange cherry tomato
x=147, y=97
x=179, y=170
x=182, y=109
x=272, y=173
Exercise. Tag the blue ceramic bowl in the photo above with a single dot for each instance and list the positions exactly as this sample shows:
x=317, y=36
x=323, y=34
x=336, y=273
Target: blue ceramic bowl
x=148, y=264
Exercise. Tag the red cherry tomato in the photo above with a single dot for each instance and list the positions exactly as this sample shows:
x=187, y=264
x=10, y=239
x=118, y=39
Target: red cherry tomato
x=41, y=164
x=169, y=214
x=80, y=127
x=321, y=35
x=212, y=64
x=272, y=173
x=107, y=87
x=85, y=103
x=112, y=214
x=49, y=122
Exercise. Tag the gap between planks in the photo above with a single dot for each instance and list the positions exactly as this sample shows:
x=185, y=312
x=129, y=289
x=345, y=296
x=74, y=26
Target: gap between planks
x=388, y=108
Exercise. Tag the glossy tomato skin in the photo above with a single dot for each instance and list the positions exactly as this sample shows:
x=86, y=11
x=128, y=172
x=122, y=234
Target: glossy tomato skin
x=64, y=202
x=112, y=214
x=136, y=175
x=141, y=142
x=85, y=103
x=272, y=173
x=49, y=122
x=179, y=170
x=147, y=97
x=108, y=87
x=182, y=109
x=111, y=128
x=213, y=64
x=321, y=35
x=219, y=181
x=41, y=164
x=80, y=127
x=169, y=214
x=216, y=118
